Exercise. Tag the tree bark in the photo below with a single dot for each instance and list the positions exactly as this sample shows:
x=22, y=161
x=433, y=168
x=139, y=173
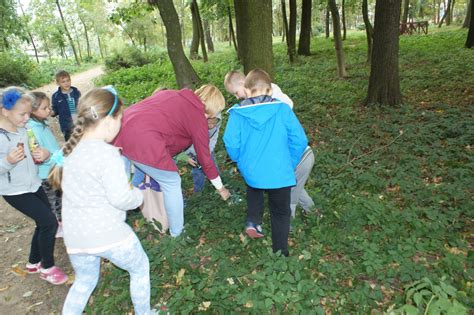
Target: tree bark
x=207, y=33
x=100, y=47
x=194, y=48
x=291, y=38
x=343, y=9
x=256, y=47
x=201, y=32
x=231, y=28
x=384, y=82
x=327, y=22
x=470, y=34
x=285, y=23
x=184, y=72
x=467, y=20
x=87, y=37
x=406, y=7
x=336, y=25
x=239, y=12
x=71, y=42
x=369, y=31
x=451, y=11
x=446, y=15
x=29, y=34
x=305, y=33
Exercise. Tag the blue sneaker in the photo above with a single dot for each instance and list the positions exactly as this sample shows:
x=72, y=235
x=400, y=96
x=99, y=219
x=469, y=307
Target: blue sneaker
x=254, y=230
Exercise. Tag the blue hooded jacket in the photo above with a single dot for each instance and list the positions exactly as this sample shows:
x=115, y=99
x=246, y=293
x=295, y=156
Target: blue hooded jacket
x=267, y=142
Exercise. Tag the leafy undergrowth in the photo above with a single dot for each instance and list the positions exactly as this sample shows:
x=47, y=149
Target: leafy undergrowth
x=395, y=186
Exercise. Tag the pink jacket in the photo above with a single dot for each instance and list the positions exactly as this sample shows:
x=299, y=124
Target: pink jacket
x=161, y=126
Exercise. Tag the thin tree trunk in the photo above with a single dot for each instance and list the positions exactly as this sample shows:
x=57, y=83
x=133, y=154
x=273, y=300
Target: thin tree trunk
x=406, y=7
x=467, y=20
x=185, y=74
x=344, y=31
x=207, y=33
x=194, y=48
x=29, y=34
x=451, y=12
x=100, y=47
x=384, y=82
x=231, y=28
x=201, y=32
x=369, y=31
x=285, y=22
x=470, y=34
x=305, y=33
x=336, y=25
x=78, y=42
x=71, y=42
x=327, y=22
x=446, y=14
x=291, y=38
x=87, y=37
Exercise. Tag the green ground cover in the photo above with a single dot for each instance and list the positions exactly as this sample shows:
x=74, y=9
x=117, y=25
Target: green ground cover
x=395, y=186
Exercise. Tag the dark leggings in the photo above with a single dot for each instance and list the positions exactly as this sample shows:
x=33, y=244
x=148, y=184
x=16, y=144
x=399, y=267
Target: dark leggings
x=279, y=203
x=36, y=206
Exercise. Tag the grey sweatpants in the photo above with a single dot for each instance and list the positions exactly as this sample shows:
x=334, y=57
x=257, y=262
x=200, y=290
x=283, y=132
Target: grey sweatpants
x=298, y=193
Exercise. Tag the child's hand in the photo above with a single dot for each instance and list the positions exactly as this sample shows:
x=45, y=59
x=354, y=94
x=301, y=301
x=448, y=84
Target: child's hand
x=40, y=154
x=16, y=155
x=192, y=162
x=224, y=192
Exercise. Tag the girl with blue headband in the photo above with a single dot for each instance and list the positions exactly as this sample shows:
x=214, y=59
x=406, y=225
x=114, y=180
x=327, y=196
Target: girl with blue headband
x=20, y=184
x=96, y=196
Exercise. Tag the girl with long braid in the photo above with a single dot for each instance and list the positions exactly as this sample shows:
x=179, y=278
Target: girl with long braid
x=96, y=194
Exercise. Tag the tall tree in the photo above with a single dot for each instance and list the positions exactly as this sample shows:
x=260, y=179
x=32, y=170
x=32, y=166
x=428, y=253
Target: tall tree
x=27, y=28
x=231, y=28
x=207, y=33
x=467, y=20
x=255, y=47
x=336, y=27
x=184, y=71
x=201, y=32
x=71, y=42
x=343, y=10
x=194, y=48
x=406, y=8
x=369, y=31
x=470, y=34
x=326, y=21
x=384, y=82
x=304, y=43
x=446, y=15
x=285, y=23
x=291, y=38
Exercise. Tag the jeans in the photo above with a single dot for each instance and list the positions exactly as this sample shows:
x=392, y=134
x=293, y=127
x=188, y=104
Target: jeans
x=129, y=256
x=36, y=206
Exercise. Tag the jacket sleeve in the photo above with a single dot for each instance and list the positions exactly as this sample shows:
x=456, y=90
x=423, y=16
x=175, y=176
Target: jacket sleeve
x=232, y=137
x=5, y=166
x=54, y=105
x=120, y=193
x=200, y=139
x=297, y=141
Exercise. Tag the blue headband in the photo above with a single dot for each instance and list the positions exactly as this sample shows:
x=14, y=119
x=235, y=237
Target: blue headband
x=58, y=158
x=10, y=98
x=112, y=90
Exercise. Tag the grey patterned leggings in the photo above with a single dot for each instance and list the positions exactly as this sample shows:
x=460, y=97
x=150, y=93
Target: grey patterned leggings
x=129, y=256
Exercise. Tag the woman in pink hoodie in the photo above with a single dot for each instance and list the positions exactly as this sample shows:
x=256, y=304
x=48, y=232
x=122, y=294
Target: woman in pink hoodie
x=163, y=125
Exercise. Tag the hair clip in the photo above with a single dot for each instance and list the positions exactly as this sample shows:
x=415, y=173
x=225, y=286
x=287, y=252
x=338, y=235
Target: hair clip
x=112, y=90
x=94, y=113
x=10, y=98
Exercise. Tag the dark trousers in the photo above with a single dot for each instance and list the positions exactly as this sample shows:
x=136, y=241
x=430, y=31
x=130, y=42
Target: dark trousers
x=36, y=206
x=279, y=203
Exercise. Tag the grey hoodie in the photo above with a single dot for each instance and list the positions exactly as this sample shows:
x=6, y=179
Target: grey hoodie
x=22, y=177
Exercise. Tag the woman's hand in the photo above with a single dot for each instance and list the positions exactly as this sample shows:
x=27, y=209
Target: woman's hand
x=224, y=192
x=40, y=154
x=16, y=155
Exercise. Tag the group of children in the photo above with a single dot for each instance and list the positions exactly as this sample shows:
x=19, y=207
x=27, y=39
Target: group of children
x=262, y=135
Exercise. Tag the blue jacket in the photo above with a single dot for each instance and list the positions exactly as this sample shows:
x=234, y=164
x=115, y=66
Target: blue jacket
x=61, y=108
x=267, y=141
x=46, y=140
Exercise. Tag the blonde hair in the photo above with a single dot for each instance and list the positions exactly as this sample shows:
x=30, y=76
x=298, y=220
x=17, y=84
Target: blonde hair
x=24, y=95
x=61, y=74
x=233, y=77
x=212, y=98
x=258, y=80
x=92, y=107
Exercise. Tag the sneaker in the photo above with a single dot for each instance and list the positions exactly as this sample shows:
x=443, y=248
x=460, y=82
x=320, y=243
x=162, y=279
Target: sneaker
x=33, y=268
x=53, y=275
x=254, y=230
x=59, y=231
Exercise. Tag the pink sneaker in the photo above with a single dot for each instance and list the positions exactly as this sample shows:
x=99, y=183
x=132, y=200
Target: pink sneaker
x=53, y=275
x=33, y=268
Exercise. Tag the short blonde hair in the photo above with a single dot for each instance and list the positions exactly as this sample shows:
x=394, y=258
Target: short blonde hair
x=212, y=98
x=258, y=80
x=61, y=74
x=233, y=77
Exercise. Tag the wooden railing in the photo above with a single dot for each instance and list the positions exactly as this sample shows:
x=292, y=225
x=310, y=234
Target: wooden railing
x=414, y=27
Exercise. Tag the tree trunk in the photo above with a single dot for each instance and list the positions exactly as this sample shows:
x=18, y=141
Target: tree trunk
x=406, y=7
x=446, y=14
x=79, y=49
x=29, y=34
x=451, y=12
x=207, y=33
x=305, y=33
x=291, y=38
x=87, y=37
x=256, y=47
x=344, y=31
x=100, y=47
x=71, y=42
x=336, y=28
x=467, y=20
x=231, y=28
x=194, y=48
x=285, y=24
x=185, y=74
x=470, y=34
x=239, y=12
x=384, y=82
x=201, y=32
x=327, y=22
x=369, y=31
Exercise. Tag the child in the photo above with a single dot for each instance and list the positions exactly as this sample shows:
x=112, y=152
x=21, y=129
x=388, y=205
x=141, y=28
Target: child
x=65, y=101
x=267, y=141
x=20, y=185
x=39, y=125
x=234, y=84
x=96, y=194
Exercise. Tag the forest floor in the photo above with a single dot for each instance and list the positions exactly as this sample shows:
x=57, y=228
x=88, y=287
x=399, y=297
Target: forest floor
x=21, y=293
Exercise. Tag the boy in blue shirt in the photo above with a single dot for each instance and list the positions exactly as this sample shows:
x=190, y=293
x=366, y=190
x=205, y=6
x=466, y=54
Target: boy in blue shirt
x=64, y=102
x=267, y=141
